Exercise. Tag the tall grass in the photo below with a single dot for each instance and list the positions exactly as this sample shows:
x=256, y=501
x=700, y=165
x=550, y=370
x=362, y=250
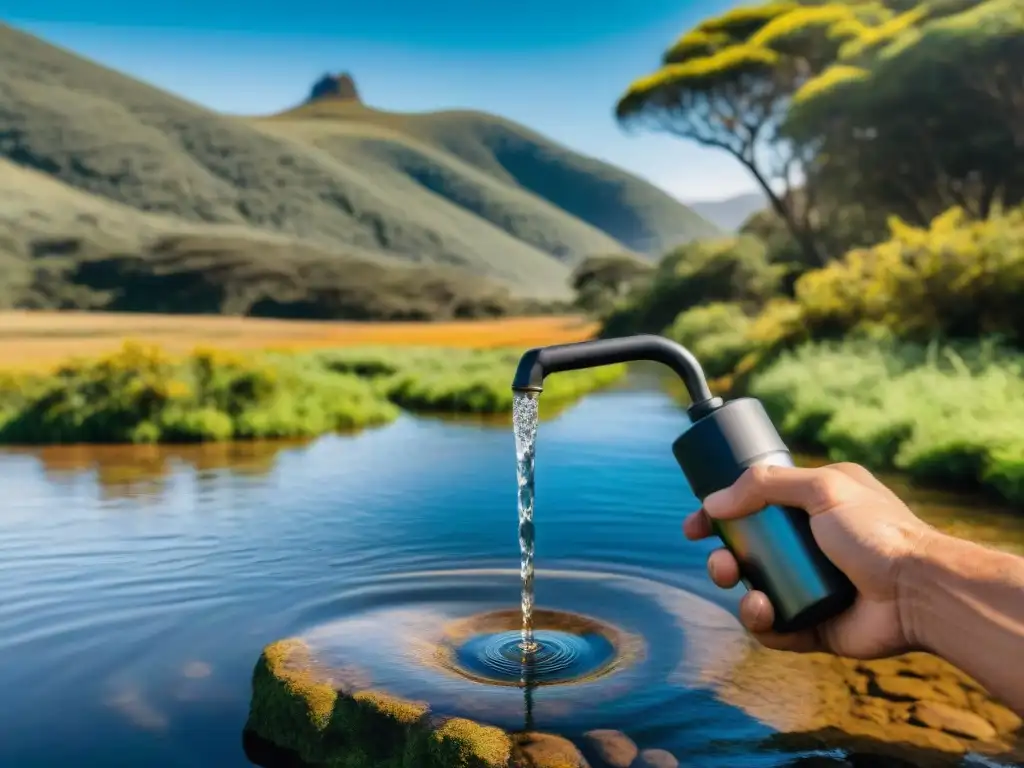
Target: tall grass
x=458, y=380
x=142, y=395
x=948, y=415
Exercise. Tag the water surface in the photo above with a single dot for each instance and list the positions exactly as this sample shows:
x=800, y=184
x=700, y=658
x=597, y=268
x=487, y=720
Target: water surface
x=137, y=586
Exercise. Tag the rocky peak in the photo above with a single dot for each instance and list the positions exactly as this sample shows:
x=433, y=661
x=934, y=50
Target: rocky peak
x=339, y=86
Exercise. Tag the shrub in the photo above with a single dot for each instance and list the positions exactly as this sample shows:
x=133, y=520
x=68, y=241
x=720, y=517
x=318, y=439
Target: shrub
x=141, y=395
x=733, y=269
x=956, y=279
x=942, y=414
x=718, y=334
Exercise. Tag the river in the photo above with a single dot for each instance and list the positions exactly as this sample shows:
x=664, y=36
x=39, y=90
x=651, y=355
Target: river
x=138, y=585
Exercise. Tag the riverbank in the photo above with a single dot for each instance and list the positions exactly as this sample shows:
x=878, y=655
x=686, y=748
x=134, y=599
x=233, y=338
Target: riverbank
x=945, y=416
x=143, y=394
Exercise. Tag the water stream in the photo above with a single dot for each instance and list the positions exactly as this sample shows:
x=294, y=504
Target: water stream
x=524, y=422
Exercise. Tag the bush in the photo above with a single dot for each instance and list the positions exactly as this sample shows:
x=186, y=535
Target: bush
x=942, y=414
x=600, y=282
x=718, y=334
x=734, y=269
x=956, y=279
x=139, y=394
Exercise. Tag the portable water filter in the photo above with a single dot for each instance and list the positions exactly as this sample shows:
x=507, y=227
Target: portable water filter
x=775, y=548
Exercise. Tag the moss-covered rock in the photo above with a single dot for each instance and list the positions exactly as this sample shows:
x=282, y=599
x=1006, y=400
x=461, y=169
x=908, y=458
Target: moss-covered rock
x=462, y=743
x=320, y=714
x=291, y=706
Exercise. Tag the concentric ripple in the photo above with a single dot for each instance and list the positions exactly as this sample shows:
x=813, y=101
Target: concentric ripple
x=568, y=648
x=610, y=644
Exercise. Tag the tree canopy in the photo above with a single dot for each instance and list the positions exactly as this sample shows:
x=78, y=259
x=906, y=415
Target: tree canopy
x=897, y=107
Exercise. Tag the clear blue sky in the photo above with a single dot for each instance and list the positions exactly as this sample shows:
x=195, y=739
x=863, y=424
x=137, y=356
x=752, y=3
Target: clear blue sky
x=557, y=66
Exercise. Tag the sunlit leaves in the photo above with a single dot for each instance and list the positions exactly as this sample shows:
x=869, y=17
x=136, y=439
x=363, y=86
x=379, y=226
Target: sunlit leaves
x=704, y=74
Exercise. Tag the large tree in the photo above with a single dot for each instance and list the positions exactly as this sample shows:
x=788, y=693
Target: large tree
x=925, y=113
x=728, y=84
x=891, y=106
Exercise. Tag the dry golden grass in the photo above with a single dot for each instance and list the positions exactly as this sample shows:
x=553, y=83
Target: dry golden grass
x=34, y=340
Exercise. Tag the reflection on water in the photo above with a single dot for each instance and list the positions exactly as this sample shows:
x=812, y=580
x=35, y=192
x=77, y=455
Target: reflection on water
x=131, y=471
x=138, y=585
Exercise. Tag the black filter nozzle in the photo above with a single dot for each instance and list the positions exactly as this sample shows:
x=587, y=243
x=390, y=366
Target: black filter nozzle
x=775, y=548
x=535, y=364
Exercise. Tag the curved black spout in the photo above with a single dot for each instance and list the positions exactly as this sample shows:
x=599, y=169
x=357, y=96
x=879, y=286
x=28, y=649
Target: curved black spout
x=535, y=364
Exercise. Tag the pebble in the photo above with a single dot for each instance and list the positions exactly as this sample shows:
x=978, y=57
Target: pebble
x=655, y=758
x=545, y=750
x=610, y=749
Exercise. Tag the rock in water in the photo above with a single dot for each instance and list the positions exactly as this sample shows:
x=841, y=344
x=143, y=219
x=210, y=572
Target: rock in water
x=610, y=749
x=655, y=758
x=307, y=709
x=543, y=750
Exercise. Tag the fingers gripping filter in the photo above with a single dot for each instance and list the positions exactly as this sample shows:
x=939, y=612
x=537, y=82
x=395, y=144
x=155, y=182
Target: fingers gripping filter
x=775, y=548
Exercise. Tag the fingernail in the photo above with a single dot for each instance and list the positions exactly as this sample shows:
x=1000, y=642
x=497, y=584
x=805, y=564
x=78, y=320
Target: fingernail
x=712, y=499
x=759, y=609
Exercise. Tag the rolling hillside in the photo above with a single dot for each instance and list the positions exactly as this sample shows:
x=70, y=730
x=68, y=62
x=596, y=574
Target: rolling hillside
x=117, y=195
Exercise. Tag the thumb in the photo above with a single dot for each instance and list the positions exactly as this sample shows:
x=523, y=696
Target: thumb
x=810, y=489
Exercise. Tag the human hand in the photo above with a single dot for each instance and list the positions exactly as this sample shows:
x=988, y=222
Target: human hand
x=860, y=525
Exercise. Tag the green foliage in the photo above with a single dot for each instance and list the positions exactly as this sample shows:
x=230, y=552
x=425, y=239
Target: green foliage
x=957, y=278
x=744, y=22
x=601, y=281
x=945, y=415
x=920, y=110
x=430, y=380
x=880, y=106
x=831, y=81
x=727, y=269
x=141, y=395
x=718, y=334
x=703, y=76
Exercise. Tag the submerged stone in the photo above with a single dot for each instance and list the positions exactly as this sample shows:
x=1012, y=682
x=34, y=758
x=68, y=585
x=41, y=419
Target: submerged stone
x=655, y=758
x=610, y=749
x=915, y=705
x=544, y=750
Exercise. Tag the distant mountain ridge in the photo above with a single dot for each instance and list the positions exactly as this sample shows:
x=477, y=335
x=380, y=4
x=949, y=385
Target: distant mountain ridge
x=732, y=212
x=116, y=168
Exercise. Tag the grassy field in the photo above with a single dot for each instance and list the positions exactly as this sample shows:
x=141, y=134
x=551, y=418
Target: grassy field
x=151, y=379
x=40, y=340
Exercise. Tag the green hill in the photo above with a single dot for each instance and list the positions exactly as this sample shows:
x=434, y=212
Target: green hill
x=119, y=195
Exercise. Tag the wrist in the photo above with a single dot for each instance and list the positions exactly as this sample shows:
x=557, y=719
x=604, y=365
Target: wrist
x=916, y=583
